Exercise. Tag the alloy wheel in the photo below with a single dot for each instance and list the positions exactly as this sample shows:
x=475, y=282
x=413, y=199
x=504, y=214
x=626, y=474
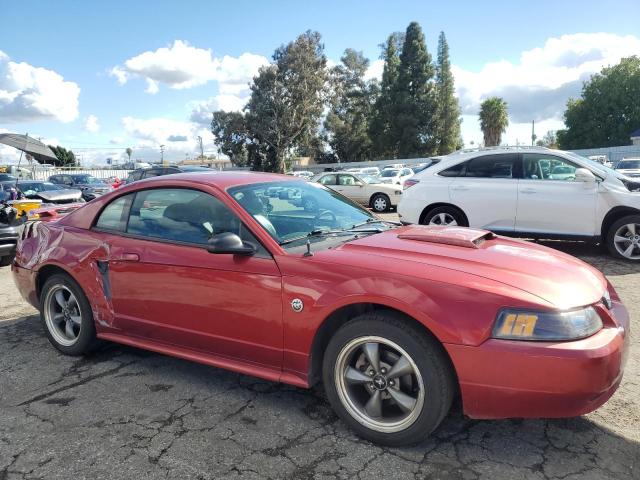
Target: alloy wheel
x=443, y=219
x=379, y=384
x=627, y=241
x=62, y=315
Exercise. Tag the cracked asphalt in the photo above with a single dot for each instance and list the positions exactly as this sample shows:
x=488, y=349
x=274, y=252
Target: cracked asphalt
x=124, y=413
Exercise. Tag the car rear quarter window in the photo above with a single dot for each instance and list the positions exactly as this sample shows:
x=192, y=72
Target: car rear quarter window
x=114, y=215
x=492, y=166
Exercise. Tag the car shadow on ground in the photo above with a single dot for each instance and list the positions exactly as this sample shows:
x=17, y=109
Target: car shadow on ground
x=124, y=412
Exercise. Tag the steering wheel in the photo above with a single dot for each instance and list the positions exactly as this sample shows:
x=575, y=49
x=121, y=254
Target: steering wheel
x=322, y=213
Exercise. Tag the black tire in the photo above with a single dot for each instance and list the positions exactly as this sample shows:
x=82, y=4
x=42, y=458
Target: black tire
x=633, y=239
x=380, y=203
x=86, y=337
x=6, y=260
x=428, y=356
x=447, y=212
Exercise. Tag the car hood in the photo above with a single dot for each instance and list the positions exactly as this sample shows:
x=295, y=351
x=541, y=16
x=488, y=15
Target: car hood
x=58, y=195
x=557, y=278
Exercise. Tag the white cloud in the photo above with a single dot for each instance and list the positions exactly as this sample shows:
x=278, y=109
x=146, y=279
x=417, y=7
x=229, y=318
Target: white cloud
x=182, y=65
x=375, y=70
x=91, y=124
x=201, y=111
x=538, y=86
x=29, y=93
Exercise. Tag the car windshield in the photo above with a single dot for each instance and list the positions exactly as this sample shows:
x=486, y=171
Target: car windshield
x=369, y=178
x=87, y=179
x=628, y=164
x=38, y=186
x=292, y=210
x=593, y=165
x=389, y=173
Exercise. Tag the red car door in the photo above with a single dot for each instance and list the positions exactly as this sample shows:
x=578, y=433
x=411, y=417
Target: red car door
x=168, y=288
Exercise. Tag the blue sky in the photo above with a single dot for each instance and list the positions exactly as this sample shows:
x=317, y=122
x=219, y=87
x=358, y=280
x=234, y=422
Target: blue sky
x=57, y=79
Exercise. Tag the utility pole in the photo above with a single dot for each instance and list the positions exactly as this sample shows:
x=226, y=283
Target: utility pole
x=201, y=147
x=533, y=132
x=162, y=154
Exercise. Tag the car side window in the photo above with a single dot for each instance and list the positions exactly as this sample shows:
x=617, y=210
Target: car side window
x=454, y=171
x=154, y=172
x=114, y=215
x=536, y=166
x=347, y=180
x=329, y=180
x=182, y=215
x=492, y=166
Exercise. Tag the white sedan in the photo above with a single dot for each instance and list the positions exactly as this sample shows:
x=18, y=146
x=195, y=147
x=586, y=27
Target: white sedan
x=395, y=175
x=365, y=190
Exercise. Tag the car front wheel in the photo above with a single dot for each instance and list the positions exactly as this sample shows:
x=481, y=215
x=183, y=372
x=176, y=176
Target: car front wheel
x=388, y=380
x=623, y=238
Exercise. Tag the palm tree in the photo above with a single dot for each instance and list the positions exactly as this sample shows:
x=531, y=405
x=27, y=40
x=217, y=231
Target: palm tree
x=129, y=152
x=493, y=120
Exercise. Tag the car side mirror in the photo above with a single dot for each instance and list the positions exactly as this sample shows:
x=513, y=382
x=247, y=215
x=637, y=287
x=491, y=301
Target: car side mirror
x=584, y=175
x=227, y=242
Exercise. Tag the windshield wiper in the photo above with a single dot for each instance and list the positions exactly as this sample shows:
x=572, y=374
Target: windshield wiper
x=322, y=233
x=375, y=220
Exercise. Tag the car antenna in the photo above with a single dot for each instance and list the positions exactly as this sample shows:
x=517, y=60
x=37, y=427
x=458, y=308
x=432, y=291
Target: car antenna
x=308, y=253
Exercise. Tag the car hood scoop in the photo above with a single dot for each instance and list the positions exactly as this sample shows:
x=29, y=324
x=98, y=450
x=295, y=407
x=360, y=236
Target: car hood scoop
x=458, y=236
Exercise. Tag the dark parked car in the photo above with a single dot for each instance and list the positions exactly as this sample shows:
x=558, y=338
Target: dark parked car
x=141, y=173
x=5, y=177
x=90, y=186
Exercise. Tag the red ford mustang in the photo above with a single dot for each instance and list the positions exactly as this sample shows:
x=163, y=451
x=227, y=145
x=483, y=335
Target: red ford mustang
x=231, y=270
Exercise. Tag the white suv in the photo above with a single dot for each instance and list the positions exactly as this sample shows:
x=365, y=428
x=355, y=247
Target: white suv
x=529, y=192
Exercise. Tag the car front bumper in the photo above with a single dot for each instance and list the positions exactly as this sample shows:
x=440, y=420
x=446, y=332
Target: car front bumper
x=518, y=379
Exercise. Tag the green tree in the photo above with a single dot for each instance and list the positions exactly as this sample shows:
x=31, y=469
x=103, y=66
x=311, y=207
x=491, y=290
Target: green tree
x=447, y=108
x=231, y=136
x=549, y=140
x=347, y=123
x=381, y=125
x=287, y=98
x=494, y=119
x=64, y=157
x=129, y=151
x=608, y=110
x=415, y=107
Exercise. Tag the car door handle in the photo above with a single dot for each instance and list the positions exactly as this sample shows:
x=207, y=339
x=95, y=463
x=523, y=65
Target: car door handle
x=528, y=191
x=127, y=257
x=460, y=188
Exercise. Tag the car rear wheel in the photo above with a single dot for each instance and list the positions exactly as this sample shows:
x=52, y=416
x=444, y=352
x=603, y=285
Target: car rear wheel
x=67, y=316
x=389, y=381
x=623, y=238
x=444, y=216
x=380, y=203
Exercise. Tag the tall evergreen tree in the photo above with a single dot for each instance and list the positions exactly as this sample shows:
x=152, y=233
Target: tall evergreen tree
x=447, y=108
x=287, y=99
x=381, y=127
x=415, y=105
x=347, y=122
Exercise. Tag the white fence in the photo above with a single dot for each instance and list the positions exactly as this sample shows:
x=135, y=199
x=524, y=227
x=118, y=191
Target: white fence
x=44, y=174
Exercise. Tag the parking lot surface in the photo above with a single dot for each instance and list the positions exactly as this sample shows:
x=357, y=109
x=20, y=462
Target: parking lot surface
x=126, y=413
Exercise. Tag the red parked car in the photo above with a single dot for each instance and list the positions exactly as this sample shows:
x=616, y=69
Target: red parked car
x=395, y=321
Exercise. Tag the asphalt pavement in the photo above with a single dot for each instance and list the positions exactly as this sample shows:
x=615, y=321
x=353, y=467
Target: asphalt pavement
x=124, y=413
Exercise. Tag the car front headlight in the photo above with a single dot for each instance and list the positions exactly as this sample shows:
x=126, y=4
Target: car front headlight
x=513, y=324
